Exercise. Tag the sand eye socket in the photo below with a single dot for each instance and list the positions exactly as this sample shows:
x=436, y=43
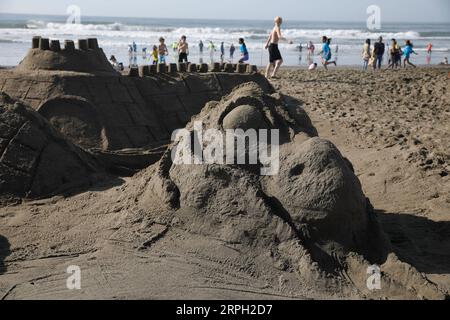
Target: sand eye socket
x=297, y=170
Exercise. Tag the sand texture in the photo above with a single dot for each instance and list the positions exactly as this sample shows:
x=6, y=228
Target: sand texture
x=363, y=180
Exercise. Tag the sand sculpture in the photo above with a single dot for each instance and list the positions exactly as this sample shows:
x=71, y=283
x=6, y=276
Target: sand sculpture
x=101, y=110
x=35, y=159
x=312, y=217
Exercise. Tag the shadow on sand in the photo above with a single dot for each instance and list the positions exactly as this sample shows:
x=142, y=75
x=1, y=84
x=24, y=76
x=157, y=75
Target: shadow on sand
x=5, y=251
x=423, y=243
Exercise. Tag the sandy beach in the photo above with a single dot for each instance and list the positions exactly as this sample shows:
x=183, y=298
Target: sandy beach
x=393, y=127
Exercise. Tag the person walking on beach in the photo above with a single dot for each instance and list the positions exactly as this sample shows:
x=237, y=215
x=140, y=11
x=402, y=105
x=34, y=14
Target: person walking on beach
x=366, y=54
x=275, y=58
x=378, y=51
x=232, y=50
x=130, y=55
x=311, y=48
x=201, y=46
x=144, y=53
x=429, y=52
x=212, y=50
x=162, y=50
x=300, y=50
x=222, y=51
x=395, y=53
x=183, y=50
x=409, y=49
x=244, y=52
x=326, y=53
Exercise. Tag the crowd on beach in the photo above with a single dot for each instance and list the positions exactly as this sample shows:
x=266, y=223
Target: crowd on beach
x=372, y=56
x=398, y=56
x=160, y=53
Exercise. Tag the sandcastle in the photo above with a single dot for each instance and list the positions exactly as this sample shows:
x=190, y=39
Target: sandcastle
x=79, y=92
x=48, y=54
x=85, y=121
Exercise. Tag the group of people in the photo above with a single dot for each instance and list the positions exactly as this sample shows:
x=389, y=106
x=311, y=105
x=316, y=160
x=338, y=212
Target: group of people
x=374, y=57
x=160, y=52
x=212, y=48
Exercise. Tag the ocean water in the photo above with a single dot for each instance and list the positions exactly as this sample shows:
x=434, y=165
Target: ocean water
x=116, y=34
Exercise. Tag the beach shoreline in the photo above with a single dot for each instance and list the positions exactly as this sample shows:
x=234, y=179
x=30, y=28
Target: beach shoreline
x=116, y=34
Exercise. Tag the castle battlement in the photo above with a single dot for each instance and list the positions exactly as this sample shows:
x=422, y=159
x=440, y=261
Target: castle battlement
x=87, y=56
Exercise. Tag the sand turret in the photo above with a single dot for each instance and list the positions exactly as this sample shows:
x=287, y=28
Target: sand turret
x=47, y=54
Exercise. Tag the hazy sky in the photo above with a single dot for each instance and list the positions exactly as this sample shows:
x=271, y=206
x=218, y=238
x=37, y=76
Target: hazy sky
x=318, y=10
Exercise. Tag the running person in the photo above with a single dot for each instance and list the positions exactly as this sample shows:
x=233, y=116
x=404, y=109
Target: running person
x=407, y=51
x=326, y=53
x=275, y=58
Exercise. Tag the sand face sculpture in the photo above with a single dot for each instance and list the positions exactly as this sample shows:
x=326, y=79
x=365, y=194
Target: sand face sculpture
x=312, y=217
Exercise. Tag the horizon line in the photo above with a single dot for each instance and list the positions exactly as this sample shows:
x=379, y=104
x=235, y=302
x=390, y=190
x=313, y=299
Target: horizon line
x=220, y=19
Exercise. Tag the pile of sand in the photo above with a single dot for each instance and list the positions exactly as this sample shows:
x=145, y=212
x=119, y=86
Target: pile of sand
x=89, y=61
x=35, y=160
x=313, y=217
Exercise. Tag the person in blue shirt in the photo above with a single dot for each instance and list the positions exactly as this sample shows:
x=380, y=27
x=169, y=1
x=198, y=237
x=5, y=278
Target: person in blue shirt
x=407, y=51
x=326, y=52
x=244, y=52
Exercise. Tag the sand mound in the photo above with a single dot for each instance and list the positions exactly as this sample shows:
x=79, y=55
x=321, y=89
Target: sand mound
x=76, y=118
x=312, y=217
x=244, y=117
x=35, y=160
x=89, y=61
x=316, y=186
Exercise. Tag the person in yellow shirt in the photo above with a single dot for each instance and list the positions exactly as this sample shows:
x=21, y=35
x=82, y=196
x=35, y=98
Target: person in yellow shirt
x=396, y=55
x=155, y=55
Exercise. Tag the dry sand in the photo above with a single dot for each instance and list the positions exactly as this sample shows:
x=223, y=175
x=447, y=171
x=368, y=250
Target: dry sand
x=392, y=126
